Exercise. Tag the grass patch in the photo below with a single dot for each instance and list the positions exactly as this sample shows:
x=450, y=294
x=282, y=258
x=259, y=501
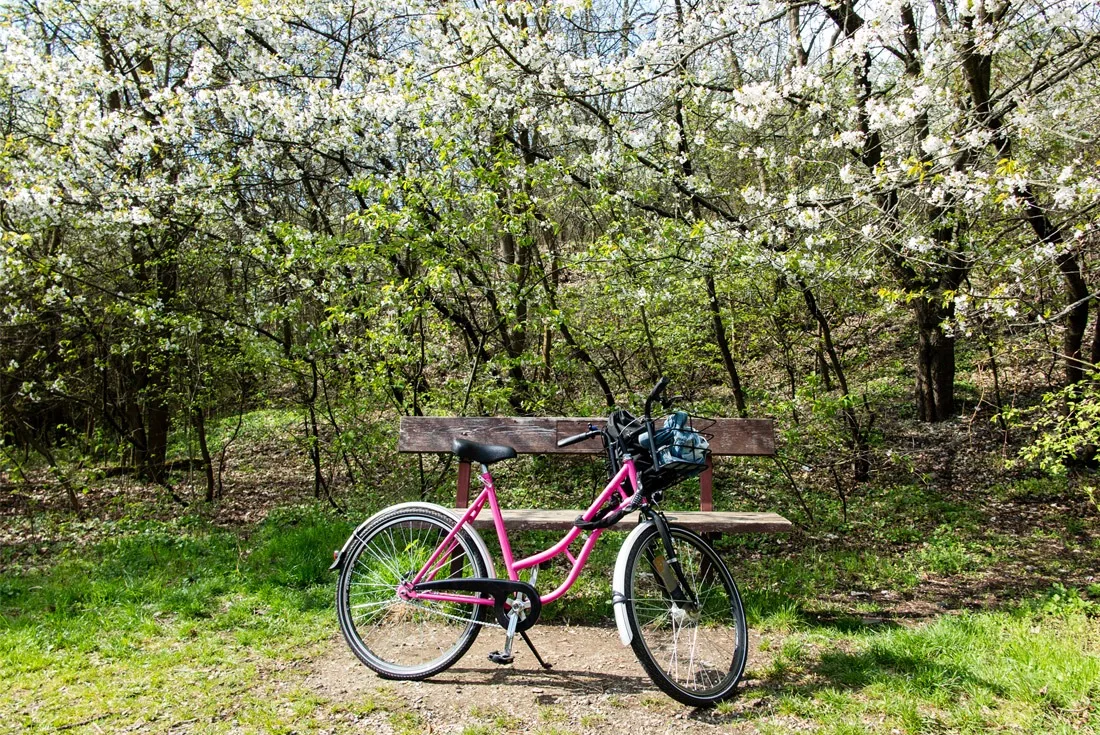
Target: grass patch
x=183, y=625
x=1035, y=669
x=595, y=721
x=180, y=622
x=480, y=730
x=491, y=722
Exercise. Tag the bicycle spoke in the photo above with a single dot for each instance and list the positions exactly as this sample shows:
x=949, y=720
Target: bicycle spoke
x=403, y=637
x=695, y=648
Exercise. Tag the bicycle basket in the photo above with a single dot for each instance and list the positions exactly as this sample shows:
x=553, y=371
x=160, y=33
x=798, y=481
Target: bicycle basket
x=678, y=443
x=682, y=450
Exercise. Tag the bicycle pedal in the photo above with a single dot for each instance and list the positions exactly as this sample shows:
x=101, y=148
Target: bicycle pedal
x=501, y=658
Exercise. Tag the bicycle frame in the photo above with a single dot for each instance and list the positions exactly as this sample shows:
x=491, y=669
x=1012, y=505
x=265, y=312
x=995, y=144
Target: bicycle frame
x=488, y=496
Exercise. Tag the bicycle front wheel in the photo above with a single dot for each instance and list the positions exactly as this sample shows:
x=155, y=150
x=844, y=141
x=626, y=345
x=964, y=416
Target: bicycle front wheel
x=695, y=653
x=407, y=639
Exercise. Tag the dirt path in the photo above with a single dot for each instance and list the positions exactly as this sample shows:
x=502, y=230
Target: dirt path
x=596, y=686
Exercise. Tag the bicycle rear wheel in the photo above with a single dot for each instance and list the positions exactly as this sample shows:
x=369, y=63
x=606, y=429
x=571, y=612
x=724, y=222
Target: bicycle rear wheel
x=407, y=639
x=694, y=653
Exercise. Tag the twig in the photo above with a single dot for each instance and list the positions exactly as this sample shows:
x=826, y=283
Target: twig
x=473, y=375
x=797, y=491
x=87, y=721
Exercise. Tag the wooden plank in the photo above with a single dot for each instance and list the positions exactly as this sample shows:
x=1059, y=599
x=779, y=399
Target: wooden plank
x=741, y=437
x=713, y=521
x=434, y=433
x=731, y=437
x=728, y=437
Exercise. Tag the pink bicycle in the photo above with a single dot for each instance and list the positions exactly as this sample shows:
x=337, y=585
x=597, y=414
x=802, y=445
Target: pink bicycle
x=417, y=582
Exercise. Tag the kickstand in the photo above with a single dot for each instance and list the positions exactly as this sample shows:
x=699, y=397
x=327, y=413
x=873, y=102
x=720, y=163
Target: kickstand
x=533, y=650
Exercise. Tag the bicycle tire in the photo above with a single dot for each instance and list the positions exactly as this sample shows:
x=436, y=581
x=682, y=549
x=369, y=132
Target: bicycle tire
x=373, y=618
x=698, y=675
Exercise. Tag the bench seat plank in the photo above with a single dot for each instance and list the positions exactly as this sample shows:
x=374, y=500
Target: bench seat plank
x=528, y=519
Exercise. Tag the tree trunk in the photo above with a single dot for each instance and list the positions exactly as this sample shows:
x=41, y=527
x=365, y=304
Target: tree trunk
x=935, y=361
x=724, y=346
x=157, y=422
x=135, y=423
x=978, y=64
x=550, y=287
x=857, y=433
x=199, y=420
x=1094, y=356
x=1077, y=295
x=822, y=363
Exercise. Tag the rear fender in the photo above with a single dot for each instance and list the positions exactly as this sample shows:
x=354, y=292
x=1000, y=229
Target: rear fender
x=341, y=556
x=618, y=582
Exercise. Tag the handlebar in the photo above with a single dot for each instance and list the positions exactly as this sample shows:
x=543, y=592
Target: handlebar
x=579, y=437
x=654, y=395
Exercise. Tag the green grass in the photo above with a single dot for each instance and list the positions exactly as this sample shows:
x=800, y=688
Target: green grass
x=183, y=625
x=1021, y=670
x=169, y=624
x=491, y=721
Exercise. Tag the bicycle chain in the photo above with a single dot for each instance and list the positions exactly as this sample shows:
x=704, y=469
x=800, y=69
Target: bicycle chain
x=484, y=623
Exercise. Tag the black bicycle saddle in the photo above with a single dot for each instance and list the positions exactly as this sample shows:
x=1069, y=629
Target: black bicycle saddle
x=485, y=454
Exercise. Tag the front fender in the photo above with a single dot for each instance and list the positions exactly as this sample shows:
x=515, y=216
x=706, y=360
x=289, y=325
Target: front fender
x=340, y=556
x=618, y=583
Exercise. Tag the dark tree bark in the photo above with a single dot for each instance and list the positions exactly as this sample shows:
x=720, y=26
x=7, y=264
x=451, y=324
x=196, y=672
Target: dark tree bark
x=550, y=278
x=718, y=326
x=935, y=360
x=198, y=419
x=978, y=66
x=722, y=340
x=158, y=418
x=1094, y=353
x=1077, y=295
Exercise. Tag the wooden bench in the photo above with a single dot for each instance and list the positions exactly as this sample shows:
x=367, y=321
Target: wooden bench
x=731, y=437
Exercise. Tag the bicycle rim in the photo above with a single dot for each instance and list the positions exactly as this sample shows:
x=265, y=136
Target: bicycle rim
x=695, y=654
x=398, y=638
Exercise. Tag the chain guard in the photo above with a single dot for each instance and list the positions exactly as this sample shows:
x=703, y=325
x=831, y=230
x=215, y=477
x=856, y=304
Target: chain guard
x=499, y=589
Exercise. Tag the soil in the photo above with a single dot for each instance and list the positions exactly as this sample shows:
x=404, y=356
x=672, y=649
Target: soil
x=596, y=685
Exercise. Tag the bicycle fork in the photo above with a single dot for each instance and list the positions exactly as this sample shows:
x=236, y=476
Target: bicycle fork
x=669, y=571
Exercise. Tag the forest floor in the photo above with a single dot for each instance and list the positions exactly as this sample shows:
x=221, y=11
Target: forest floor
x=966, y=605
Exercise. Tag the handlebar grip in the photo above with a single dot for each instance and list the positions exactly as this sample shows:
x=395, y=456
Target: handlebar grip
x=577, y=438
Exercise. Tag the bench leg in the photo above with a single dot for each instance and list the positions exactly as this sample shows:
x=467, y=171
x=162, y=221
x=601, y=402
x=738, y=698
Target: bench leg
x=706, y=500
x=706, y=487
x=463, y=499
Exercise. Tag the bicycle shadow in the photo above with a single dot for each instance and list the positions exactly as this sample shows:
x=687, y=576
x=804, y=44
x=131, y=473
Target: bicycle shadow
x=554, y=682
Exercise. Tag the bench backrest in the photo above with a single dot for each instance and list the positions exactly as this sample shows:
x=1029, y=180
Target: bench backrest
x=540, y=435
